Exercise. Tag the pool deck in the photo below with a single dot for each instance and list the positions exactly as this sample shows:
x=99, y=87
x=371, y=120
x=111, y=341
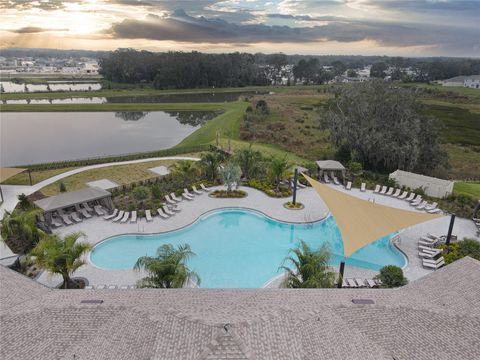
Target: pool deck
x=98, y=229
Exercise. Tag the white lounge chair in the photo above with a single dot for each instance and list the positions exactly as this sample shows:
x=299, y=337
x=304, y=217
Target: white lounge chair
x=174, y=197
x=185, y=191
x=335, y=180
x=434, y=266
x=390, y=191
x=119, y=216
x=148, y=215
x=125, y=217
x=410, y=197
x=98, y=210
x=188, y=197
x=87, y=207
x=75, y=217
x=377, y=189
x=416, y=202
x=112, y=215
x=169, y=200
x=351, y=283
x=429, y=254
x=65, y=218
x=417, y=198
x=397, y=193
x=198, y=192
x=404, y=195
x=162, y=214
x=384, y=190
x=435, y=211
x=422, y=205
x=360, y=282
x=349, y=185
x=326, y=178
x=434, y=261
x=85, y=213
x=167, y=210
x=204, y=188
x=363, y=187
x=56, y=223
x=431, y=206
x=426, y=243
x=300, y=185
x=371, y=283
x=133, y=219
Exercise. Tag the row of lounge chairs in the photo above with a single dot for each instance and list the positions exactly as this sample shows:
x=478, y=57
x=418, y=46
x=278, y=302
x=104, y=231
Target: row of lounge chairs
x=83, y=211
x=431, y=257
x=363, y=187
x=165, y=212
x=414, y=199
x=110, y=287
x=360, y=283
x=326, y=178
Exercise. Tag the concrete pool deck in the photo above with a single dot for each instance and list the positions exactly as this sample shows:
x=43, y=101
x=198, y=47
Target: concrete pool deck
x=98, y=229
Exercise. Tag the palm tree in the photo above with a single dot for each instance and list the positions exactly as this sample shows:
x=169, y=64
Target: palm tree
x=278, y=168
x=210, y=161
x=167, y=269
x=249, y=161
x=185, y=170
x=310, y=268
x=61, y=256
x=231, y=175
x=19, y=229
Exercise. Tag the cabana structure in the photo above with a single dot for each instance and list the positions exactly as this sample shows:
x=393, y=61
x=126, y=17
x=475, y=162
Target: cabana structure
x=71, y=199
x=329, y=166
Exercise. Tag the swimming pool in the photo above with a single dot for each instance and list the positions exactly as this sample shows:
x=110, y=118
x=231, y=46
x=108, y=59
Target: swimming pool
x=239, y=248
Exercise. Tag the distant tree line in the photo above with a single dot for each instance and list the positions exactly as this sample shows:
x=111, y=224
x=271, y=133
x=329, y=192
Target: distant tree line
x=182, y=70
x=381, y=126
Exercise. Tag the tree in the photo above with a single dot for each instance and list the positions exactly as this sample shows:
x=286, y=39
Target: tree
x=378, y=70
x=338, y=67
x=384, y=127
x=249, y=161
x=61, y=256
x=19, y=229
x=278, y=168
x=210, y=162
x=184, y=170
x=310, y=268
x=168, y=268
x=351, y=73
x=231, y=174
x=23, y=202
x=262, y=108
x=62, y=187
x=391, y=276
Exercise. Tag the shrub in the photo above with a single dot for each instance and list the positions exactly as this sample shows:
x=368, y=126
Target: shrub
x=231, y=194
x=141, y=193
x=391, y=276
x=156, y=192
x=291, y=205
x=460, y=249
x=62, y=187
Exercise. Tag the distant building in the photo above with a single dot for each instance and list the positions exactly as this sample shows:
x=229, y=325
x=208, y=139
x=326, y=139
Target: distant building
x=472, y=82
x=434, y=187
x=455, y=81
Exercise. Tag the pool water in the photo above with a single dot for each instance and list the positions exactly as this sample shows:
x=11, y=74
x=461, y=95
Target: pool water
x=237, y=248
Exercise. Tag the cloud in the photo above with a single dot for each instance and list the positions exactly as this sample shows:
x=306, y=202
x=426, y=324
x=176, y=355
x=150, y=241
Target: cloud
x=184, y=28
x=22, y=5
x=33, y=30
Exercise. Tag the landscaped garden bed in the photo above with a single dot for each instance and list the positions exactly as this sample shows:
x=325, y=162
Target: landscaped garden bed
x=291, y=206
x=228, y=194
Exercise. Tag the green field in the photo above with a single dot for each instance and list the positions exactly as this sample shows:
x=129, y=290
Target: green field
x=467, y=188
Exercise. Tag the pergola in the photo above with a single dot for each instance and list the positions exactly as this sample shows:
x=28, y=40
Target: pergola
x=72, y=199
x=330, y=166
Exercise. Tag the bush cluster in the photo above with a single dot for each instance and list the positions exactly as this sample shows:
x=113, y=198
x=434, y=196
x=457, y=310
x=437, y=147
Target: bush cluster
x=460, y=249
x=231, y=194
x=269, y=188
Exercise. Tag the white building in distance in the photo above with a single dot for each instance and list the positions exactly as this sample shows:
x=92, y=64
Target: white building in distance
x=472, y=82
x=434, y=187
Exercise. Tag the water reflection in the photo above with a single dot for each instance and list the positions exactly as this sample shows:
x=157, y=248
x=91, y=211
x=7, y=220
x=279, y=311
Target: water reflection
x=13, y=87
x=36, y=137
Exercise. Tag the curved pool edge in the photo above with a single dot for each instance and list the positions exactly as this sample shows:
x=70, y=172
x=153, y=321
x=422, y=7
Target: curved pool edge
x=200, y=217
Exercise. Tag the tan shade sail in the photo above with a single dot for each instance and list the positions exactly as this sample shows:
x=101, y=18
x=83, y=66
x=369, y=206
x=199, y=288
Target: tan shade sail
x=6, y=173
x=362, y=222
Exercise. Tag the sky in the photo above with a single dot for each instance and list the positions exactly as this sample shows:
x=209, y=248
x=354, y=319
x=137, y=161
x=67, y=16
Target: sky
x=343, y=27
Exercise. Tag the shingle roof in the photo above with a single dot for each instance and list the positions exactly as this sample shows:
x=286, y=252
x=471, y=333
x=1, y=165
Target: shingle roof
x=71, y=198
x=330, y=165
x=437, y=317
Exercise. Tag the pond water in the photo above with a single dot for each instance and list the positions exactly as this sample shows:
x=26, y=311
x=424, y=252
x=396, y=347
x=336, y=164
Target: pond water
x=36, y=137
x=11, y=87
x=172, y=98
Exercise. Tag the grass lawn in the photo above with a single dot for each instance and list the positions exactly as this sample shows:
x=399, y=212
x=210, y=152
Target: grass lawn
x=37, y=176
x=120, y=174
x=467, y=188
x=464, y=161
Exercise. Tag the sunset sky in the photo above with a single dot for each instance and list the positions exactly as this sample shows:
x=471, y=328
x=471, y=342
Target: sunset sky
x=365, y=27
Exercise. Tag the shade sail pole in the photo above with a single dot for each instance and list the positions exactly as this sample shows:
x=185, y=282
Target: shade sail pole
x=295, y=179
x=340, y=277
x=450, y=229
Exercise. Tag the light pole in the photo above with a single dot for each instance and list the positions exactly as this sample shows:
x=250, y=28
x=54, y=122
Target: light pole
x=295, y=179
